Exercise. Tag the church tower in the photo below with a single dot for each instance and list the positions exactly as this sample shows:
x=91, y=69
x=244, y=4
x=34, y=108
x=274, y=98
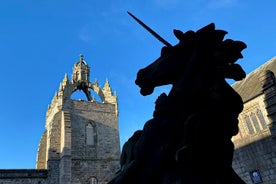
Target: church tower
x=81, y=141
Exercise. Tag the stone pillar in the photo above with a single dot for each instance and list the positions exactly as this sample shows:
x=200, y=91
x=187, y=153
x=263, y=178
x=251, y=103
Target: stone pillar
x=65, y=152
x=269, y=89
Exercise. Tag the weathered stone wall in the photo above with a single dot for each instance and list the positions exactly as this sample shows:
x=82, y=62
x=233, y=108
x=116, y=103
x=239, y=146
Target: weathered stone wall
x=23, y=176
x=41, y=153
x=100, y=159
x=70, y=158
x=65, y=149
x=53, y=171
x=85, y=170
x=53, y=126
x=255, y=144
x=261, y=156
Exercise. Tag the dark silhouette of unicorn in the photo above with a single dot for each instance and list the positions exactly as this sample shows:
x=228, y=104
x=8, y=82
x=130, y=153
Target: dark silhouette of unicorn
x=188, y=140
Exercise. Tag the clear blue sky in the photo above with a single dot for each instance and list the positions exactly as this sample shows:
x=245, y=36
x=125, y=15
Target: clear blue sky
x=41, y=40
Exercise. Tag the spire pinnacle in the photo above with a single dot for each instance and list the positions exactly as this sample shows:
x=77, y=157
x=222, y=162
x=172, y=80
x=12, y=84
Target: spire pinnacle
x=107, y=85
x=81, y=57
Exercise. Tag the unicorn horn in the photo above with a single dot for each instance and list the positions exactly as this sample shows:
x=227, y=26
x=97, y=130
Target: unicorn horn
x=150, y=30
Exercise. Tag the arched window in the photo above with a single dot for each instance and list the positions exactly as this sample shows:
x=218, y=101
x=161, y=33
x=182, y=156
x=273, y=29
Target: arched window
x=261, y=118
x=93, y=180
x=80, y=96
x=90, y=134
x=255, y=122
x=249, y=125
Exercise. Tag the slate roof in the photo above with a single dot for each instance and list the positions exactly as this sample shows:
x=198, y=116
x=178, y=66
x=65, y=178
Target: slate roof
x=251, y=86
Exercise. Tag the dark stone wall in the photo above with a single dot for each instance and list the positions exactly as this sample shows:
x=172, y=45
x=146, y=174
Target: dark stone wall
x=23, y=176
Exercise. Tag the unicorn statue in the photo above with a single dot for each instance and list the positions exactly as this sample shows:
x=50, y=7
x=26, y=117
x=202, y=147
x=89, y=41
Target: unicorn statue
x=188, y=140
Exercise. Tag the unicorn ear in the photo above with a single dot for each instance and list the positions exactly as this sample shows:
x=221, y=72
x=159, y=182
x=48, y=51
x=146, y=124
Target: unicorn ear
x=179, y=34
x=209, y=28
x=189, y=35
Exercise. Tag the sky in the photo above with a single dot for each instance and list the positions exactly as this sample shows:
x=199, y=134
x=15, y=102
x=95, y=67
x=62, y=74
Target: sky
x=40, y=41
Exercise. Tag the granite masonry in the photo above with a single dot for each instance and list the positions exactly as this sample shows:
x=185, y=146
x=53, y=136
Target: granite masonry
x=255, y=145
x=81, y=141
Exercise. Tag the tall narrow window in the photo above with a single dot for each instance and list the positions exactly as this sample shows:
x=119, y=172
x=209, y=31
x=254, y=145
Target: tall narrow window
x=90, y=134
x=249, y=125
x=261, y=118
x=255, y=122
x=94, y=180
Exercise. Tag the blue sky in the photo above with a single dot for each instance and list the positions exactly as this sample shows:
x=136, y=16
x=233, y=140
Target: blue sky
x=41, y=40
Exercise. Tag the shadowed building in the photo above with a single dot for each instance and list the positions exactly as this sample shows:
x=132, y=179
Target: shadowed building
x=255, y=145
x=81, y=141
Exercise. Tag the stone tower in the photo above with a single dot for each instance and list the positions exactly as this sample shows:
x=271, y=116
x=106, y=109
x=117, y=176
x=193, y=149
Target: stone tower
x=81, y=141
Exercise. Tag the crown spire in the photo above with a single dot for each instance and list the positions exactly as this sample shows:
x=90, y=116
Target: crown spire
x=81, y=57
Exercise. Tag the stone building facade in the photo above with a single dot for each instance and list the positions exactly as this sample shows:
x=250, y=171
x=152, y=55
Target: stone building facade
x=81, y=141
x=255, y=145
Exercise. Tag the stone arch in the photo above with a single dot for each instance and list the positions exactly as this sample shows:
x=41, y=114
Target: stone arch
x=93, y=180
x=80, y=95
